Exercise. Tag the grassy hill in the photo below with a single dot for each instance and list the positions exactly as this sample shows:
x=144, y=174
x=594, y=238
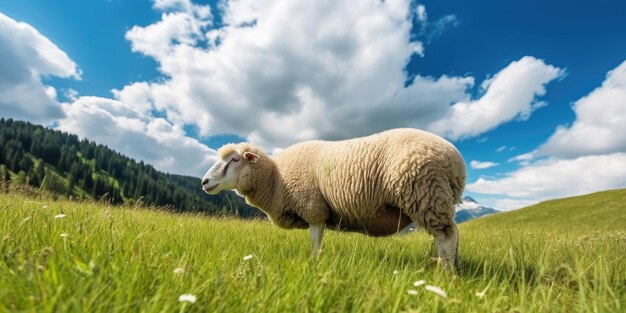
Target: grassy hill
x=600, y=211
x=61, y=163
x=558, y=256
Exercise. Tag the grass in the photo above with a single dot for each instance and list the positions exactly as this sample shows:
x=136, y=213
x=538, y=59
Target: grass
x=561, y=256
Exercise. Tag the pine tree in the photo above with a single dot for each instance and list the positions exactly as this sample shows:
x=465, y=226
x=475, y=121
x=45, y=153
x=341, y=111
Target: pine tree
x=87, y=184
x=39, y=173
x=5, y=178
x=97, y=190
x=71, y=182
x=33, y=151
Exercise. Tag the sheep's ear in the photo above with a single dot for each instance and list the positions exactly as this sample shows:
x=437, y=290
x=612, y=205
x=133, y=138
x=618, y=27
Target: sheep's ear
x=251, y=157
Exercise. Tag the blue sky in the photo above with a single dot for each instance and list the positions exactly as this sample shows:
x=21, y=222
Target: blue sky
x=190, y=76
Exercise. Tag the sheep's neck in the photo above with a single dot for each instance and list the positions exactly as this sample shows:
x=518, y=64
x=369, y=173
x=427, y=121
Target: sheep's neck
x=268, y=197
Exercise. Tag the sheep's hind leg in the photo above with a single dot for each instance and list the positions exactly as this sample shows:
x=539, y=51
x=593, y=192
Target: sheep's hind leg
x=447, y=246
x=441, y=225
x=317, y=233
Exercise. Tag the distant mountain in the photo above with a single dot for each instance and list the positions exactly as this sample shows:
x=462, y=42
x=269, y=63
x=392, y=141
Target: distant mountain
x=470, y=209
x=59, y=162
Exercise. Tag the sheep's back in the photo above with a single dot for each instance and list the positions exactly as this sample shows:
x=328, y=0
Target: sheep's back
x=359, y=176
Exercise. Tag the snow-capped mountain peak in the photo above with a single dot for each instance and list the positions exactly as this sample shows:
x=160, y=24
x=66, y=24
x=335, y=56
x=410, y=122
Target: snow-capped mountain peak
x=469, y=209
x=468, y=203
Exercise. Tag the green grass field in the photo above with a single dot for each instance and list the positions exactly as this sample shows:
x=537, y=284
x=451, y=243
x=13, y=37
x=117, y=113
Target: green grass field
x=560, y=256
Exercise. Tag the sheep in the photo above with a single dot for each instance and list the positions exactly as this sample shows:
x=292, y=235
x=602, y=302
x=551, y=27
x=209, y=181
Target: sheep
x=375, y=185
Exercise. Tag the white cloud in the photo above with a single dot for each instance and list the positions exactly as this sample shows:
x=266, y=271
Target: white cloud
x=600, y=124
x=588, y=156
x=501, y=148
x=510, y=94
x=420, y=11
x=554, y=178
x=25, y=57
x=512, y=204
x=201, y=11
x=70, y=94
x=153, y=140
x=282, y=84
x=482, y=165
x=434, y=30
x=524, y=158
x=183, y=26
x=337, y=71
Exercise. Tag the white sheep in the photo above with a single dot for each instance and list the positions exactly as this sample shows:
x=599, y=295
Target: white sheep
x=375, y=185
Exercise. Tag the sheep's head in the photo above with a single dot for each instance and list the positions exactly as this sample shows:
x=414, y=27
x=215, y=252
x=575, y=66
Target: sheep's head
x=234, y=162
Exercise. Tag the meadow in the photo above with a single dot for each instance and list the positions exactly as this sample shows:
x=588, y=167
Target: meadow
x=565, y=255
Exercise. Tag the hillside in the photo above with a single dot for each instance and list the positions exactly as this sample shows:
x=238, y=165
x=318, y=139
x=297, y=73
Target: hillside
x=600, y=211
x=65, y=256
x=60, y=162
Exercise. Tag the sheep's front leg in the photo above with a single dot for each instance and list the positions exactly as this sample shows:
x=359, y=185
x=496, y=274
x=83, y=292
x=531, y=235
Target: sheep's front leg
x=317, y=233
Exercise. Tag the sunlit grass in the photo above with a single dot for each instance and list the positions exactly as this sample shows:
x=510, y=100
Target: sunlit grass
x=126, y=259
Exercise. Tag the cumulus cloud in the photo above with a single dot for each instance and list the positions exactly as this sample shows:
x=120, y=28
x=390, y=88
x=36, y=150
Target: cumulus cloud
x=182, y=24
x=482, y=165
x=600, y=124
x=70, y=94
x=509, y=94
x=153, y=140
x=588, y=156
x=337, y=71
x=25, y=57
x=277, y=84
x=552, y=178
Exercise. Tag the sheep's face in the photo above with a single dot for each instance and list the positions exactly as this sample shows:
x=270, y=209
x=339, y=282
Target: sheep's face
x=224, y=174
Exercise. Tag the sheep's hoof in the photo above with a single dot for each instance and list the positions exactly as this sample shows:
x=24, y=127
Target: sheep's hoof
x=448, y=264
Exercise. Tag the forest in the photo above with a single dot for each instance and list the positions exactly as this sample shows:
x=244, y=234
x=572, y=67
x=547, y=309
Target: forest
x=66, y=165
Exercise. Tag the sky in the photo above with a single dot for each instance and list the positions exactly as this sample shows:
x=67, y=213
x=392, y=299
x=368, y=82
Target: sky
x=532, y=93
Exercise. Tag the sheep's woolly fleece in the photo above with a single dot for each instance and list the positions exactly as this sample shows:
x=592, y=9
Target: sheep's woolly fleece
x=372, y=184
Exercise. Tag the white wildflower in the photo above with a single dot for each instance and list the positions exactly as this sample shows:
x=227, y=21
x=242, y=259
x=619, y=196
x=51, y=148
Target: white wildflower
x=436, y=290
x=59, y=216
x=64, y=235
x=247, y=257
x=412, y=292
x=396, y=272
x=481, y=294
x=45, y=206
x=419, y=283
x=187, y=298
x=179, y=270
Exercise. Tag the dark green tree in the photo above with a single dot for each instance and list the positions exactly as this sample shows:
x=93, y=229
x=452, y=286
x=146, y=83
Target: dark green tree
x=62, y=163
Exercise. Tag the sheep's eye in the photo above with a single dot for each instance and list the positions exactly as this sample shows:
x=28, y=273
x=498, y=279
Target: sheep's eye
x=228, y=164
x=235, y=160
